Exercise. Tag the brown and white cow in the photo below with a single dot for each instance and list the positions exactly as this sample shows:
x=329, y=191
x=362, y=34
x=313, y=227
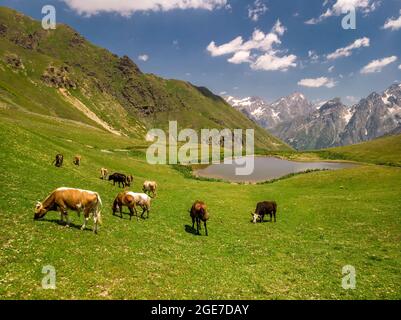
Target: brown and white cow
x=63, y=199
x=199, y=213
x=104, y=173
x=264, y=208
x=150, y=187
x=131, y=200
x=77, y=160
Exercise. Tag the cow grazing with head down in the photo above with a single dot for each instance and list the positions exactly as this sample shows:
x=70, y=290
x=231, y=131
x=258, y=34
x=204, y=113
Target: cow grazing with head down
x=120, y=178
x=264, y=208
x=58, y=162
x=103, y=173
x=131, y=200
x=150, y=187
x=63, y=199
x=199, y=213
x=77, y=160
x=130, y=179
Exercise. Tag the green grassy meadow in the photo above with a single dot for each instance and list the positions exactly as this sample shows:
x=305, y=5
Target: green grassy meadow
x=326, y=220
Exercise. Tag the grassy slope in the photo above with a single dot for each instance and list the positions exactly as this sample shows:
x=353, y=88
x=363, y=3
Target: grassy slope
x=386, y=150
x=326, y=220
x=121, y=96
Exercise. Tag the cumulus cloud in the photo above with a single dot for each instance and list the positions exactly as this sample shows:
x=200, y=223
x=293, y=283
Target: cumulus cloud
x=377, y=65
x=256, y=10
x=393, y=23
x=317, y=83
x=271, y=62
x=344, y=6
x=143, y=57
x=347, y=51
x=399, y=67
x=240, y=57
x=127, y=7
x=259, y=51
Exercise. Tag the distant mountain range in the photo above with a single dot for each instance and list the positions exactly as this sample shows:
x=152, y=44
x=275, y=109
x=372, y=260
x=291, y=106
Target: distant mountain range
x=306, y=126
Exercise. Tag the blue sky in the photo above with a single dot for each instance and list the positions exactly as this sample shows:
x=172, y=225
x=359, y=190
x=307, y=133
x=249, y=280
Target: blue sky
x=193, y=40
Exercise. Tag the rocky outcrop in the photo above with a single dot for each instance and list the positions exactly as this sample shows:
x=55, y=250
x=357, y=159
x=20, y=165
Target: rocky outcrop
x=58, y=77
x=13, y=61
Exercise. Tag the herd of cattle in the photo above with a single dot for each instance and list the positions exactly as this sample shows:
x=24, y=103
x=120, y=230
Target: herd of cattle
x=90, y=203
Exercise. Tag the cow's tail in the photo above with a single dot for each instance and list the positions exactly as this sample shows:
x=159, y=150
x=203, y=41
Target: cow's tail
x=99, y=206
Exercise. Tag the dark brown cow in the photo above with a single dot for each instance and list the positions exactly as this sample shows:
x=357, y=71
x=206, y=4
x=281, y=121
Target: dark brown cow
x=199, y=213
x=264, y=208
x=58, y=162
x=120, y=178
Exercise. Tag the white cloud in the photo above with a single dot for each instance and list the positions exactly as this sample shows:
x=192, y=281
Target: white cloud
x=399, y=67
x=240, y=57
x=271, y=62
x=317, y=83
x=344, y=6
x=258, y=9
x=227, y=48
x=393, y=23
x=377, y=65
x=127, y=7
x=352, y=99
x=258, y=51
x=331, y=69
x=143, y=57
x=313, y=55
x=347, y=51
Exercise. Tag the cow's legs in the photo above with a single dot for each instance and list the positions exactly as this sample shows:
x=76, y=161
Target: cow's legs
x=95, y=219
x=86, y=218
x=193, y=223
x=68, y=218
x=205, y=228
x=198, y=225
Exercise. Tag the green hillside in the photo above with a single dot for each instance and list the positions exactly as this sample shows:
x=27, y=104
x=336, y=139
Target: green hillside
x=385, y=150
x=59, y=73
x=325, y=220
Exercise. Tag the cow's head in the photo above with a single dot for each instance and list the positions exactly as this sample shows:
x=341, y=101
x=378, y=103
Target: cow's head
x=255, y=217
x=40, y=211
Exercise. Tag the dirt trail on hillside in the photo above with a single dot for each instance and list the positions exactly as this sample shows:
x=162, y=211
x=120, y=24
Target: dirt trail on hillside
x=85, y=110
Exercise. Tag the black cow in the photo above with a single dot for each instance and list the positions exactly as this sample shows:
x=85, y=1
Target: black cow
x=264, y=208
x=58, y=162
x=120, y=178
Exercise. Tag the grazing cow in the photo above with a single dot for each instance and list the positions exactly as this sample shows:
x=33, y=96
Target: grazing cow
x=199, y=213
x=150, y=187
x=77, y=160
x=120, y=178
x=131, y=200
x=78, y=200
x=130, y=179
x=264, y=208
x=104, y=173
x=58, y=162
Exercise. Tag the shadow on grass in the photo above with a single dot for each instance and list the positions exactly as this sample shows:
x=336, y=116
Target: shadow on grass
x=189, y=229
x=117, y=214
x=60, y=223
